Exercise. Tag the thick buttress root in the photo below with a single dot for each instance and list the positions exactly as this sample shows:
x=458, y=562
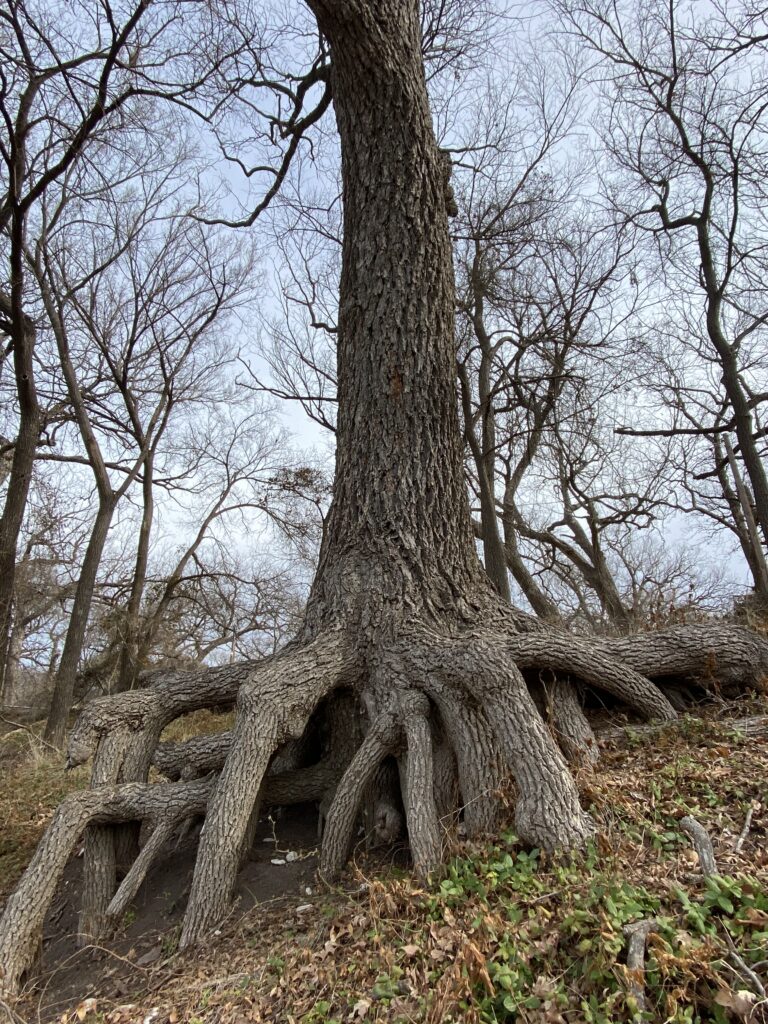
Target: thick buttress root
x=270, y=710
x=419, y=789
x=451, y=711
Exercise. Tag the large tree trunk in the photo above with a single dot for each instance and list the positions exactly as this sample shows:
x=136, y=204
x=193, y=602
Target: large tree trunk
x=403, y=627
x=398, y=570
x=399, y=525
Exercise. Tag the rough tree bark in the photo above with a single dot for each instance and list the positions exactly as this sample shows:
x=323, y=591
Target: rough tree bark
x=19, y=327
x=401, y=617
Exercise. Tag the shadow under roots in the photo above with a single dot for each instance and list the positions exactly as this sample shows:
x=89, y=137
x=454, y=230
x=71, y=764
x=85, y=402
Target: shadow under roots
x=281, y=864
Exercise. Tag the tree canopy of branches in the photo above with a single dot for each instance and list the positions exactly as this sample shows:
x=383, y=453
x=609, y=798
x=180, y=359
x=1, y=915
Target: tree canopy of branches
x=683, y=102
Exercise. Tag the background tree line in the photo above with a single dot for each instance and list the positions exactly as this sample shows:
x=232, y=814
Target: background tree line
x=609, y=239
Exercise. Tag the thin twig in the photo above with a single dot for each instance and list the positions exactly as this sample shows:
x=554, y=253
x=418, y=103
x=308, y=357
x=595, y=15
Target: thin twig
x=10, y=1013
x=745, y=831
x=744, y=969
x=25, y=728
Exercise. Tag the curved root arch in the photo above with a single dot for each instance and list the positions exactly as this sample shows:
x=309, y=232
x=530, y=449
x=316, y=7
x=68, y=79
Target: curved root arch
x=277, y=696
x=158, y=805
x=445, y=705
x=592, y=664
x=272, y=708
x=707, y=653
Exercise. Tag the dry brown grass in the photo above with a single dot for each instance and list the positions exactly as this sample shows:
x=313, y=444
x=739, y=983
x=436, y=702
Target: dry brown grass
x=32, y=782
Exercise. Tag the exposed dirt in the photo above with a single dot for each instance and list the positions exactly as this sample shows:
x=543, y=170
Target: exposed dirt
x=150, y=928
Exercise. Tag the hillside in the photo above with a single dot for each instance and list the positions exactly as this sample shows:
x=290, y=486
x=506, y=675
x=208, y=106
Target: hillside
x=499, y=935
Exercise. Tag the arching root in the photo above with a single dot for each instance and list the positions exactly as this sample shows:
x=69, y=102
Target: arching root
x=593, y=663
x=726, y=656
x=22, y=921
x=256, y=736
x=380, y=741
x=106, y=723
x=273, y=707
x=548, y=813
x=193, y=757
x=472, y=671
x=573, y=732
x=121, y=733
x=419, y=794
x=459, y=676
x=480, y=768
x=295, y=681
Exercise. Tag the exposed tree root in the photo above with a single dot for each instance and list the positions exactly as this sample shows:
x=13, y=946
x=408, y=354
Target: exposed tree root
x=702, y=844
x=419, y=794
x=572, y=729
x=106, y=721
x=194, y=757
x=756, y=726
x=138, y=872
x=719, y=655
x=272, y=707
x=596, y=664
x=99, y=880
x=22, y=922
x=380, y=741
x=445, y=777
x=480, y=771
x=324, y=721
x=637, y=938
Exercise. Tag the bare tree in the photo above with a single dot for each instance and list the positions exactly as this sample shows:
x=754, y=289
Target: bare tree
x=546, y=302
x=134, y=324
x=225, y=609
x=686, y=98
x=708, y=478
x=73, y=74
x=51, y=543
x=243, y=468
x=298, y=347
x=403, y=630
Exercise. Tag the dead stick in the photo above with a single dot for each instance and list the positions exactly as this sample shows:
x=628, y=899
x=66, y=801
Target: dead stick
x=637, y=934
x=746, y=972
x=745, y=831
x=702, y=844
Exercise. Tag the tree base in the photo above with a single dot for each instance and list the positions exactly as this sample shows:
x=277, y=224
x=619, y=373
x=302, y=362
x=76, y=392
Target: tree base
x=412, y=733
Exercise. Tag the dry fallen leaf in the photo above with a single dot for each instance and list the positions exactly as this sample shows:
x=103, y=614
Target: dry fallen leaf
x=87, y=1006
x=741, y=1001
x=360, y=1009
